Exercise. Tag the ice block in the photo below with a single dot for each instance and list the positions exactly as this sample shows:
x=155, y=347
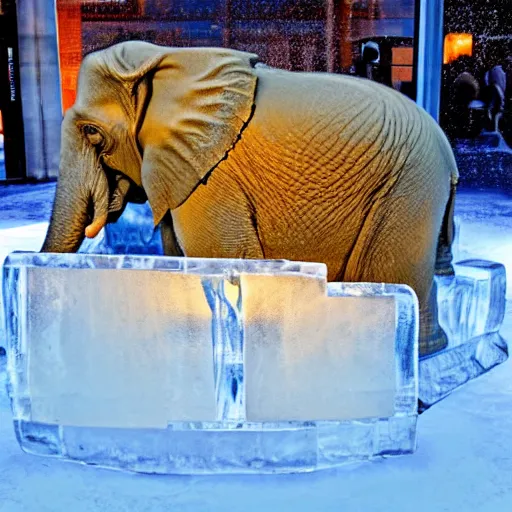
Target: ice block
x=471, y=311
x=181, y=365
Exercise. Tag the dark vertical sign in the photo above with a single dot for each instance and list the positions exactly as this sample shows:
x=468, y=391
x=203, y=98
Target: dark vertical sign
x=11, y=73
x=10, y=97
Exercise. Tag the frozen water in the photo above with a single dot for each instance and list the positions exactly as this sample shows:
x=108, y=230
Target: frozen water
x=18, y=237
x=471, y=312
x=471, y=308
x=463, y=437
x=472, y=303
x=178, y=365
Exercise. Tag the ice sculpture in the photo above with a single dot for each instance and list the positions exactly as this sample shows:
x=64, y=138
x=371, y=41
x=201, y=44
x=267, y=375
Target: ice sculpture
x=178, y=365
x=471, y=311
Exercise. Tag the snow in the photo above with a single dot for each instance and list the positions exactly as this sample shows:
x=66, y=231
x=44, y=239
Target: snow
x=463, y=461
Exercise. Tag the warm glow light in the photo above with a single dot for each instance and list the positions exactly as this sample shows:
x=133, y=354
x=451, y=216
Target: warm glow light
x=456, y=45
x=69, y=33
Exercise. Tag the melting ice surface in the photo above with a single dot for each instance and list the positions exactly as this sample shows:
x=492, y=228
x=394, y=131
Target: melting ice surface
x=471, y=311
x=210, y=392
x=175, y=365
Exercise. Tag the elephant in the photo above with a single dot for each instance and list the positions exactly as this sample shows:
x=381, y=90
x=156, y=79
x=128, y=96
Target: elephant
x=241, y=160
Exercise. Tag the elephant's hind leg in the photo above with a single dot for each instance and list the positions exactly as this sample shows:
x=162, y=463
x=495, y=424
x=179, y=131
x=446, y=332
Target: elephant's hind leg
x=170, y=243
x=432, y=336
x=444, y=257
x=398, y=245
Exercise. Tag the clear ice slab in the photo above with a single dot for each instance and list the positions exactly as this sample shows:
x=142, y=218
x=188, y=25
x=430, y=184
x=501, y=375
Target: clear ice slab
x=180, y=365
x=471, y=310
x=471, y=306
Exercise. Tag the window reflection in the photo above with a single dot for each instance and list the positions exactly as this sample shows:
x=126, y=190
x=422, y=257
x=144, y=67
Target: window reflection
x=476, y=91
x=298, y=35
x=457, y=45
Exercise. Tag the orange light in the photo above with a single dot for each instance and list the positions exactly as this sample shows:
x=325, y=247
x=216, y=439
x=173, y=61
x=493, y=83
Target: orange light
x=456, y=45
x=69, y=31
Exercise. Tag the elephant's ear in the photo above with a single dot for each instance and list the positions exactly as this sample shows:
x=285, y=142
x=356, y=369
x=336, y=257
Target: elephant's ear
x=200, y=101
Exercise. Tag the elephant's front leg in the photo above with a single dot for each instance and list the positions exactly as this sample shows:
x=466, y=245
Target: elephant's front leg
x=170, y=243
x=217, y=221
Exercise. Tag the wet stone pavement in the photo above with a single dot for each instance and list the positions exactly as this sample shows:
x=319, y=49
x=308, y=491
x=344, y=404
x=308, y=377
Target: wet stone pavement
x=30, y=202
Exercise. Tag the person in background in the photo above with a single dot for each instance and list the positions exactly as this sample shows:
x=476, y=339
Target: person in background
x=506, y=124
x=496, y=84
x=507, y=68
x=465, y=93
x=459, y=89
x=364, y=67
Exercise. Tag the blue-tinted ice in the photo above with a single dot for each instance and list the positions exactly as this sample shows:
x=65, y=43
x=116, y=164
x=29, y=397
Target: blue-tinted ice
x=219, y=365
x=471, y=311
x=132, y=233
x=176, y=365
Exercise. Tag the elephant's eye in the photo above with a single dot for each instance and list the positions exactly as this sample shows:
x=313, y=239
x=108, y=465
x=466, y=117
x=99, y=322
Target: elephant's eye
x=93, y=135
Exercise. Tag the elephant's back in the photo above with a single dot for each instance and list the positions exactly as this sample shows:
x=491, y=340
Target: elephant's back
x=297, y=98
x=346, y=125
x=322, y=152
x=359, y=118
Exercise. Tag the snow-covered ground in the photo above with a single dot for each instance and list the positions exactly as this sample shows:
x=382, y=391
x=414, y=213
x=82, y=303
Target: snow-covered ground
x=463, y=462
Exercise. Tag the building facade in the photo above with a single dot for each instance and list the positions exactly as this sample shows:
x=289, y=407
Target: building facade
x=310, y=35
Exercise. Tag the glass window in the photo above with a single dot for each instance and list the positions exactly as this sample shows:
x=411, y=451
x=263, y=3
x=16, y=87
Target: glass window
x=476, y=91
x=373, y=38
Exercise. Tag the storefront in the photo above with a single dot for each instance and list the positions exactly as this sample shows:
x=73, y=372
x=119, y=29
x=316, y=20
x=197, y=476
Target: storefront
x=476, y=40
x=396, y=42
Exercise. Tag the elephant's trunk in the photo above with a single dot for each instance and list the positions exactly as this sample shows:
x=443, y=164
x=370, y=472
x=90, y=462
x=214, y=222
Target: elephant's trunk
x=81, y=202
x=67, y=224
